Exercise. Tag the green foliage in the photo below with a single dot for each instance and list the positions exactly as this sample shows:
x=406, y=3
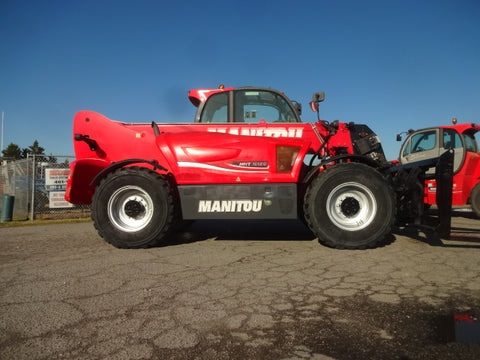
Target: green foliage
x=13, y=151
x=35, y=149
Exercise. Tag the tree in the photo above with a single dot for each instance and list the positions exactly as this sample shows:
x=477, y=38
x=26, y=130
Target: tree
x=24, y=153
x=12, y=151
x=35, y=149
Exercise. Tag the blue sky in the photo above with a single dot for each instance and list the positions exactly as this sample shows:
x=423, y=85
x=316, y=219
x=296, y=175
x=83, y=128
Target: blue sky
x=391, y=64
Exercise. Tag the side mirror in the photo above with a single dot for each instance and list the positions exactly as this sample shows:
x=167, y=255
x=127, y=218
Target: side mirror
x=408, y=133
x=317, y=98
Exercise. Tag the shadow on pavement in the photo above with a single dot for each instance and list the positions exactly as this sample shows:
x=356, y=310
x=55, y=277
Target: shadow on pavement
x=465, y=231
x=253, y=230
x=261, y=230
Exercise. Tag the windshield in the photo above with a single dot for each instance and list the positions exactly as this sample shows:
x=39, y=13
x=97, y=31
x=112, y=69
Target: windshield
x=247, y=106
x=215, y=110
x=424, y=141
x=252, y=106
x=471, y=143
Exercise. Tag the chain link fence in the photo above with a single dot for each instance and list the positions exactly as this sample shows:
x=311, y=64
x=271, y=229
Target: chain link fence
x=38, y=185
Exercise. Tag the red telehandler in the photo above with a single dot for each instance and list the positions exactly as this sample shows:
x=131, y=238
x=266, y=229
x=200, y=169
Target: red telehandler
x=431, y=142
x=246, y=156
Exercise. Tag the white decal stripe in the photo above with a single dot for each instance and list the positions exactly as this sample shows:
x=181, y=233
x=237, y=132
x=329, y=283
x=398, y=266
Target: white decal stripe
x=212, y=167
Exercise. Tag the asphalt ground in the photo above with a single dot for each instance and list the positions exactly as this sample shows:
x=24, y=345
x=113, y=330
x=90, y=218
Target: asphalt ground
x=238, y=290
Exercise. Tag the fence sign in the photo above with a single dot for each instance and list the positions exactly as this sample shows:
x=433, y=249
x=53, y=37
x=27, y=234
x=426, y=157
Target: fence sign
x=57, y=200
x=55, y=184
x=39, y=184
x=56, y=179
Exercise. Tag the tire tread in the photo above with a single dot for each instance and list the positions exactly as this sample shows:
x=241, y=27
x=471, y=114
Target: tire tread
x=308, y=216
x=152, y=176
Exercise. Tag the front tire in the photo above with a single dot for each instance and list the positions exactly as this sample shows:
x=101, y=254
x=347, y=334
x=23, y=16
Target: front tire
x=350, y=206
x=133, y=207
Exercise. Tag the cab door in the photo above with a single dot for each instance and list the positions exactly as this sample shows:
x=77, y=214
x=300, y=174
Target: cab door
x=422, y=145
x=451, y=139
x=431, y=143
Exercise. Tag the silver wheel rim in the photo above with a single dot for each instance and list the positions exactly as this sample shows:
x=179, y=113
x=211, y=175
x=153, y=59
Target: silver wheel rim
x=351, y=206
x=130, y=208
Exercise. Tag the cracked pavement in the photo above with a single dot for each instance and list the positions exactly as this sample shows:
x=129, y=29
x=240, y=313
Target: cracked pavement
x=235, y=290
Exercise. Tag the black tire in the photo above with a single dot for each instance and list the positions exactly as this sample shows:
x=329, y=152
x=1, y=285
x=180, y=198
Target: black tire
x=133, y=207
x=350, y=206
x=475, y=200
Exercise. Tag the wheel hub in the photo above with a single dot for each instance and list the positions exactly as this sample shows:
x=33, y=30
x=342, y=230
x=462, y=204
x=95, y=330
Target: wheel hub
x=134, y=209
x=130, y=208
x=351, y=206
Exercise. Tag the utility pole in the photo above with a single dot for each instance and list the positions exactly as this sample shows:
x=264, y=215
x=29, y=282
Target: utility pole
x=1, y=146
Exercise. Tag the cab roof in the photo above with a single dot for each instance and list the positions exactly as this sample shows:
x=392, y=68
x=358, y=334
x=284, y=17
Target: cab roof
x=198, y=96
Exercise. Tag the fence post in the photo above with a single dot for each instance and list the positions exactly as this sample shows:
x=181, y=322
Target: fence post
x=32, y=215
x=28, y=186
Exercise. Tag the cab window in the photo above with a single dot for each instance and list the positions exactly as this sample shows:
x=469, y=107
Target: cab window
x=470, y=143
x=451, y=139
x=253, y=106
x=215, y=110
x=406, y=148
x=423, y=141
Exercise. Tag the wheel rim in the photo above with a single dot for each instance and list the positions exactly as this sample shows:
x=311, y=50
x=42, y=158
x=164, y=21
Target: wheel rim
x=130, y=208
x=351, y=206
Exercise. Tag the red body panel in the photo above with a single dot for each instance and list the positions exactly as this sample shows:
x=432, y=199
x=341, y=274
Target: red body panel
x=465, y=179
x=88, y=169
x=194, y=153
x=463, y=182
x=213, y=158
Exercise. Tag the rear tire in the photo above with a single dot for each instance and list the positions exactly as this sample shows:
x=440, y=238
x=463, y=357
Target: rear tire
x=133, y=207
x=350, y=206
x=475, y=200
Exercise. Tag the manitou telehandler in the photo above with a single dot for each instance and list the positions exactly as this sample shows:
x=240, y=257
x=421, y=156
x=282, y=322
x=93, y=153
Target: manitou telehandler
x=246, y=156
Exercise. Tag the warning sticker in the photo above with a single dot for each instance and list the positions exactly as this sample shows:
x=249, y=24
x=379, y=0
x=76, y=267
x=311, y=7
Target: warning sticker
x=56, y=179
x=57, y=200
